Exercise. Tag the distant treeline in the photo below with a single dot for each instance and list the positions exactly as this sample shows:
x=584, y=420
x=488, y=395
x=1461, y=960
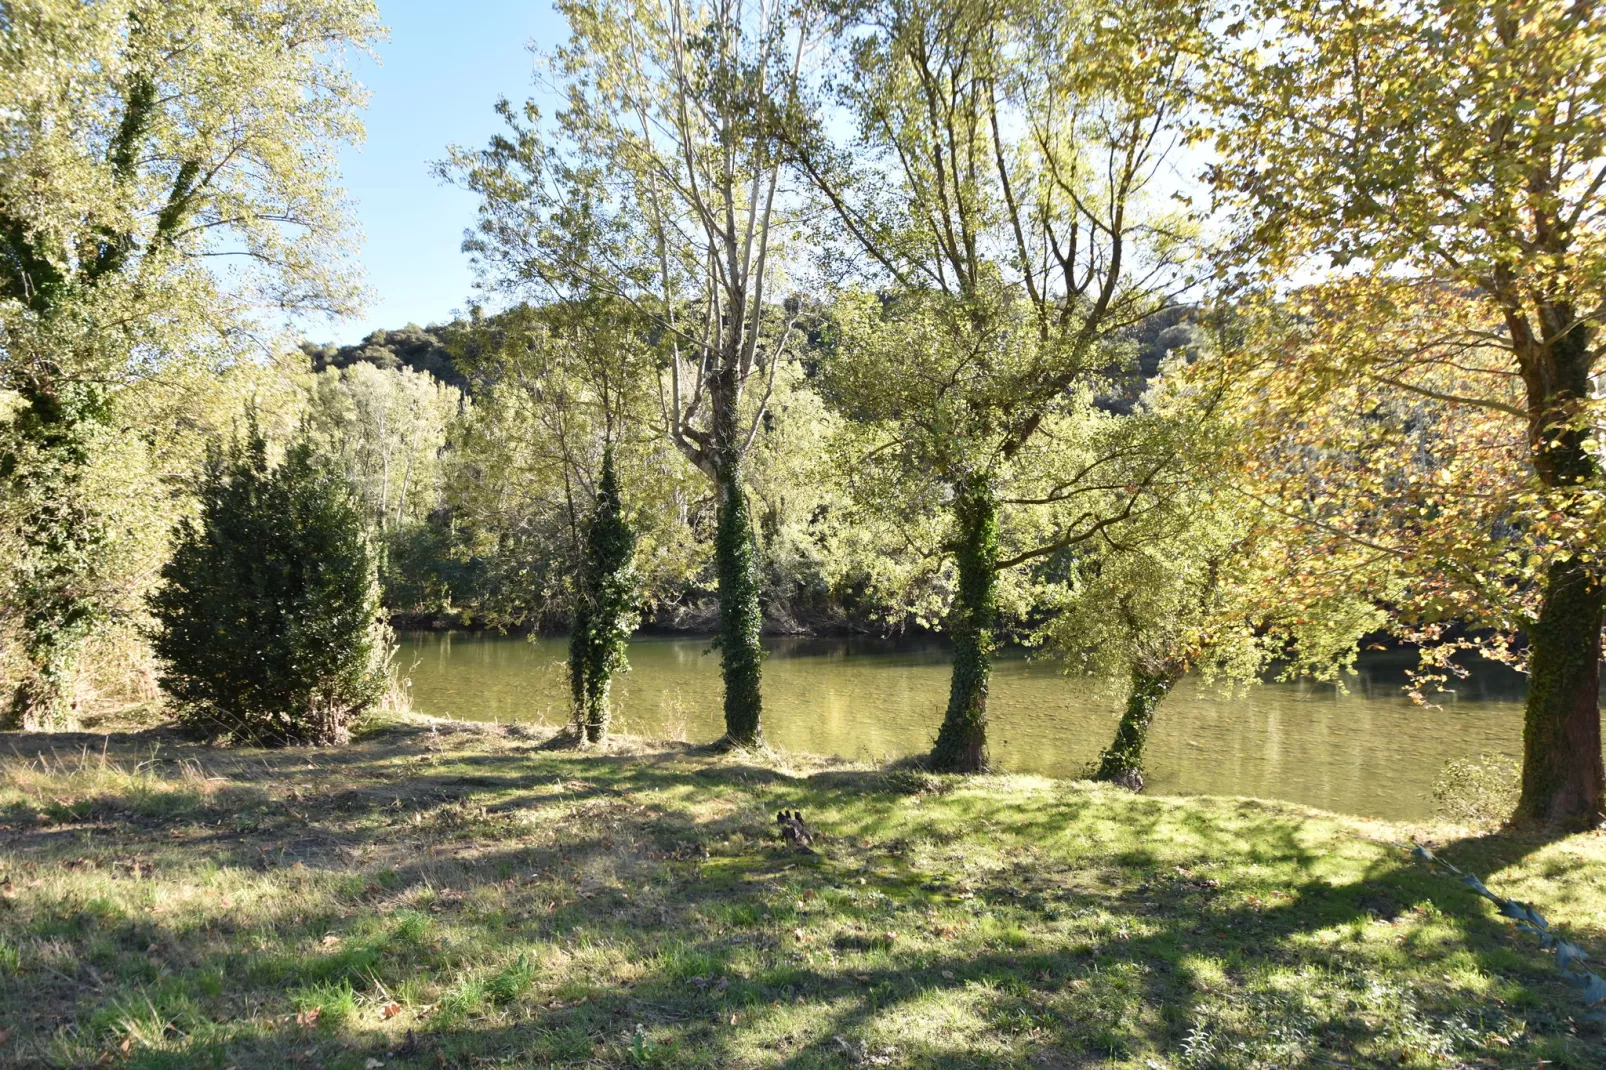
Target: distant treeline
x=477, y=543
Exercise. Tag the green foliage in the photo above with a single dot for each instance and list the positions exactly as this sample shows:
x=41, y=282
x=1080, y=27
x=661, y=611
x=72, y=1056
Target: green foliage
x=658, y=168
x=386, y=431
x=139, y=141
x=966, y=478
x=556, y=384
x=55, y=585
x=269, y=613
x=991, y=201
x=1203, y=579
x=1431, y=173
x=411, y=348
x=606, y=606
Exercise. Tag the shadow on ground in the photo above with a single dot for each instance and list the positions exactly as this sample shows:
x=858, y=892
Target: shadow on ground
x=438, y=895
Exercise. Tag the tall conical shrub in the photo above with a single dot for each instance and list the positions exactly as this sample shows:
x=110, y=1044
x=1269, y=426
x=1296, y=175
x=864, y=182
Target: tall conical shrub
x=605, y=607
x=270, y=625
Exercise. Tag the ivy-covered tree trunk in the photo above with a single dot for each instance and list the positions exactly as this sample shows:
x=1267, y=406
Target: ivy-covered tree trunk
x=962, y=741
x=1563, y=781
x=1122, y=762
x=735, y=561
x=605, y=609
x=1562, y=776
x=740, y=616
x=62, y=541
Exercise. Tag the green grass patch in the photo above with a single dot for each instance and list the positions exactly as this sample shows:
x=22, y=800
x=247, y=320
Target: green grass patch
x=467, y=897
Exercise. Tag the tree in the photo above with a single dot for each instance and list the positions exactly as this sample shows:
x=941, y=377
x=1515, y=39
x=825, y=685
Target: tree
x=1209, y=581
x=605, y=607
x=270, y=624
x=658, y=187
x=386, y=430
x=560, y=386
x=142, y=142
x=1437, y=167
x=999, y=189
x=576, y=377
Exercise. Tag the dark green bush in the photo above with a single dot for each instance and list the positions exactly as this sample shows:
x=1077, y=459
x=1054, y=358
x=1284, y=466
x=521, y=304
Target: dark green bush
x=270, y=625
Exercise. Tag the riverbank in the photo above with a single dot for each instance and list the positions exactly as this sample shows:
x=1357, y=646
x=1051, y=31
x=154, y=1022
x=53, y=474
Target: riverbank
x=879, y=700
x=444, y=894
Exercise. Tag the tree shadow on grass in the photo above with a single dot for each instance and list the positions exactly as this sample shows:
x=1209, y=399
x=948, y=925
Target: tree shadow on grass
x=1091, y=925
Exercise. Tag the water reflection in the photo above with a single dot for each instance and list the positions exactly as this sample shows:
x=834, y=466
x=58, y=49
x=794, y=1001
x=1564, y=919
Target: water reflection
x=1363, y=749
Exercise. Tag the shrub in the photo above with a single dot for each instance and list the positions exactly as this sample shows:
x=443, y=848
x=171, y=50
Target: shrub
x=270, y=627
x=1479, y=791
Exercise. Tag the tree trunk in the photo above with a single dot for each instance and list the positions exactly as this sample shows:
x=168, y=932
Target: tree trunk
x=962, y=742
x=1562, y=774
x=735, y=561
x=598, y=711
x=1122, y=762
x=586, y=715
x=740, y=617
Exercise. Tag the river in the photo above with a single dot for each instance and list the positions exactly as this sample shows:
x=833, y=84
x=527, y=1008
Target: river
x=1365, y=749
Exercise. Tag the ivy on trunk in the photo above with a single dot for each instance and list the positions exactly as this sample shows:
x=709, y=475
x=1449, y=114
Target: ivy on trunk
x=605, y=608
x=62, y=539
x=1122, y=761
x=962, y=741
x=740, y=615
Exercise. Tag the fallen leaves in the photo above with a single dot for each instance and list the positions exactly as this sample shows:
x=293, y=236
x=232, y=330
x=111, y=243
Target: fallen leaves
x=390, y=1010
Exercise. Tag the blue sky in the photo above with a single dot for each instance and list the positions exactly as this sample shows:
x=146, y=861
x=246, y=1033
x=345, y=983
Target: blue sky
x=438, y=76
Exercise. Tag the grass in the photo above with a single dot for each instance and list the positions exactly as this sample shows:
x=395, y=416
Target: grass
x=459, y=896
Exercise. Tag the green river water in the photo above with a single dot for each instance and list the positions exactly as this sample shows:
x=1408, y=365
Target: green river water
x=1365, y=750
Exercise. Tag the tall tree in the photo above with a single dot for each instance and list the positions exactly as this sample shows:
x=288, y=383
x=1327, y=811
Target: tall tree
x=999, y=187
x=577, y=377
x=1428, y=155
x=658, y=187
x=142, y=144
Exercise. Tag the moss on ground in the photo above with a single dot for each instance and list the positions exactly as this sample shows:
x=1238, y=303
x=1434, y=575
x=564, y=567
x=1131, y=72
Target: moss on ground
x=448, y=895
